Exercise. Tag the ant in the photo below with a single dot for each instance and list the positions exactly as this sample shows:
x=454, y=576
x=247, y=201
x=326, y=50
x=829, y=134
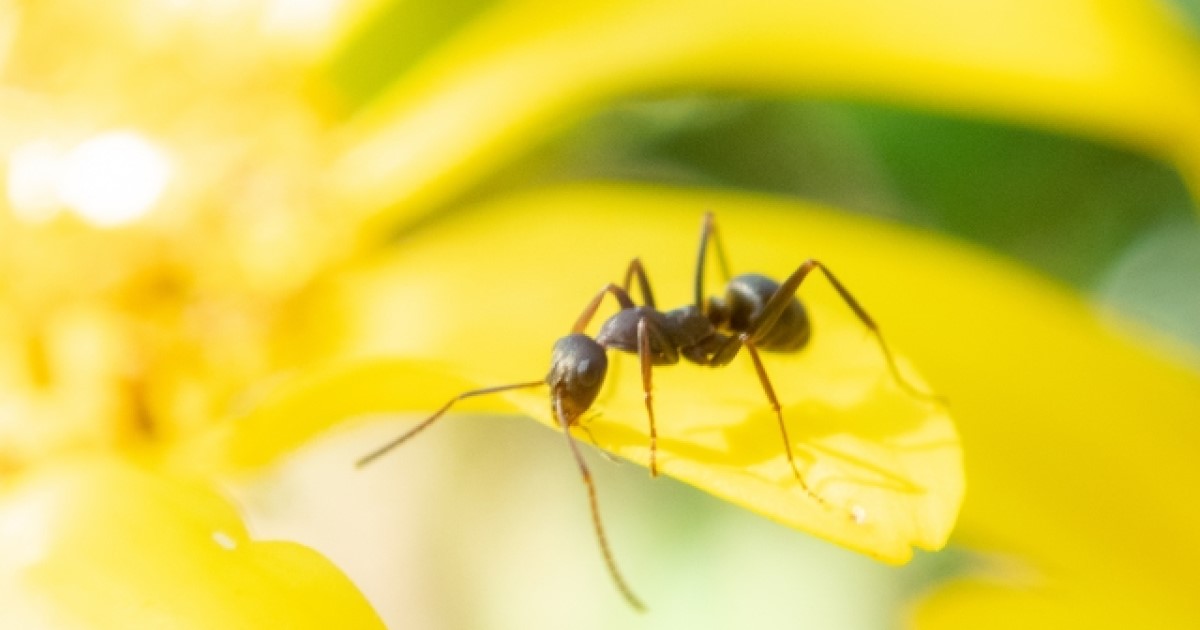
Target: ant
x=756, y=313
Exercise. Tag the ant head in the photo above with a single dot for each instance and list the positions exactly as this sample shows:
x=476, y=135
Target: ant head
x=577, y=368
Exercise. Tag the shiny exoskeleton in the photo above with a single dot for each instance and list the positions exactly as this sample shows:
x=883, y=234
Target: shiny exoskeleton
x=755, y=313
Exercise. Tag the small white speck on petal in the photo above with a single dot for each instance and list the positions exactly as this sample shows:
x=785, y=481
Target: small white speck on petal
x=224, y=540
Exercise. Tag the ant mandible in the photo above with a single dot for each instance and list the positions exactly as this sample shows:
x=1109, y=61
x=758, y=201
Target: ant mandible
x=756, y=313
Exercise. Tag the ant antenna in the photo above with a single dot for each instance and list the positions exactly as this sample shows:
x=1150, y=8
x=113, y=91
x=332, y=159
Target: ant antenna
x=560, y=415
x=383, y=450
x=609, y=561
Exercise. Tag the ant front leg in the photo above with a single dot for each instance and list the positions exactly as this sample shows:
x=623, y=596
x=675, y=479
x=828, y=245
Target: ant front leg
x=621, y=293
x=589, y=311
x=779, y=301
x=636, y=269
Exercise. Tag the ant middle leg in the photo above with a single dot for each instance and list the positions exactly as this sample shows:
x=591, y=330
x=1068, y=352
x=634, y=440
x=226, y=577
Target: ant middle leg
x=708, y=232
x=589, y=311
x=778, y=409
x=783, y=296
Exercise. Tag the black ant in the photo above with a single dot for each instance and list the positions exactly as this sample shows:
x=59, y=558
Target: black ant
x=756, y=313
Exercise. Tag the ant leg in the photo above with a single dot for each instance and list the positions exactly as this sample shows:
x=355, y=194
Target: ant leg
x=611, y=563
x=770, y=391
x=636, y=268
x=589, y=311
x=647, y=371
x=787, y=290
x=708, y=232
x=379, y=452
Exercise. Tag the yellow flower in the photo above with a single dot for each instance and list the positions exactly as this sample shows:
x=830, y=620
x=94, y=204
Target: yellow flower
x=244, y=288
x=871, y=449
x=1064, y=478
x=153, y=237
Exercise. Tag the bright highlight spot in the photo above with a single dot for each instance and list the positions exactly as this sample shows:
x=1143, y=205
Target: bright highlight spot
x=23, y=532
x=113, y=179
x=32, y=180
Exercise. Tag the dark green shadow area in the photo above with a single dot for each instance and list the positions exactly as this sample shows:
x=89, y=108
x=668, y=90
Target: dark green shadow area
x=1065, y=205
x=1188, y=12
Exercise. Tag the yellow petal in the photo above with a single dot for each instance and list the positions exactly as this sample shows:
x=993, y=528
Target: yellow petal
x=1115, y=69
x=292, y=413
x=488, y=293
x=98, y=543
x=1099, y=602
x=1080, y=445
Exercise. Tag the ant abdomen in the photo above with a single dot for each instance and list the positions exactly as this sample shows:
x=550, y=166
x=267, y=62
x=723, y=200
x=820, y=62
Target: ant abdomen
x=745, y=297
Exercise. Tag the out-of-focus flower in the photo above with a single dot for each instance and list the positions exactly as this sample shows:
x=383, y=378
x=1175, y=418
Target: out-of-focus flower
x=95, y=542
x=160, y=218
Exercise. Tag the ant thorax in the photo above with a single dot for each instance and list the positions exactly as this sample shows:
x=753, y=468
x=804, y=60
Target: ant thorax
x=620, y=332
x=697, y=335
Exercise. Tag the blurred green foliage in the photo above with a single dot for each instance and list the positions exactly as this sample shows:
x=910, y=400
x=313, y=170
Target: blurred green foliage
x=1065, y=205
x=391, y=42
x=1071, y=207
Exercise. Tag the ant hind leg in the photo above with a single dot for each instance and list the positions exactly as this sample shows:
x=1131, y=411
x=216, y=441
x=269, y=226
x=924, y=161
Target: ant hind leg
x=779, y=301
